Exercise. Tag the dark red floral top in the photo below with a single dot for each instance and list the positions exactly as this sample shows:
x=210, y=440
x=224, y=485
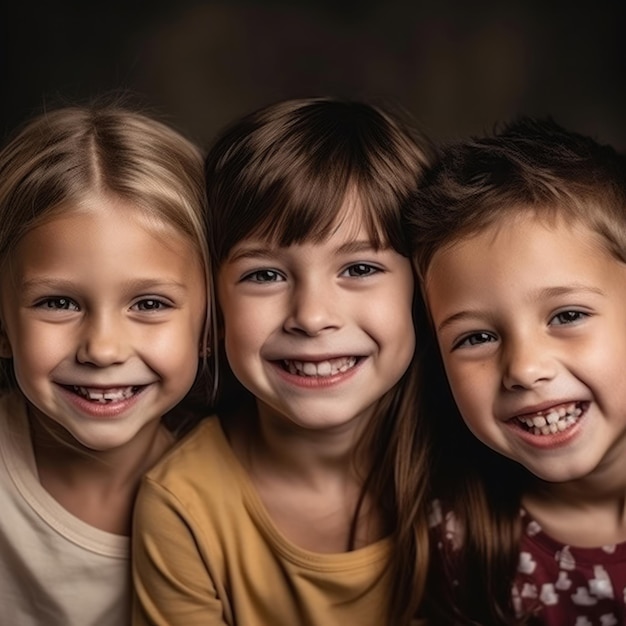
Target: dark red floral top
x=561, y=585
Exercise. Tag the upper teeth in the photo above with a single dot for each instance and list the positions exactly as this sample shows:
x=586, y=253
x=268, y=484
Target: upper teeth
x=320, y=368
x=555, y=420
x=108, y=395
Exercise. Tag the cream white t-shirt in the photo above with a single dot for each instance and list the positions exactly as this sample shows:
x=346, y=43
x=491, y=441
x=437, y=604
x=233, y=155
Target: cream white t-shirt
x=55, y=570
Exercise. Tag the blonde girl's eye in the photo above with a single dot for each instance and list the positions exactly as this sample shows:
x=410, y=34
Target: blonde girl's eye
x=151, y=305
x=57, y=303
x=569, y=317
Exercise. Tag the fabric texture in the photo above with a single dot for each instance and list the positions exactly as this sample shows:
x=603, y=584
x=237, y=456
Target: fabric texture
x=206, y=552
x=55, y=569
x=570, y=585
x=557, y=583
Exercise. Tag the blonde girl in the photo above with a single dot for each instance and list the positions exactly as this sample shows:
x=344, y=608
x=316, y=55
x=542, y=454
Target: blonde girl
x=302, y=501
x=103, y=315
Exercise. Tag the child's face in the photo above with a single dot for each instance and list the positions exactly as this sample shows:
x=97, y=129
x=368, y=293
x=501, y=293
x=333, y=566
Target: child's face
x=104, y=319
x=531, y=323
x=318, y=332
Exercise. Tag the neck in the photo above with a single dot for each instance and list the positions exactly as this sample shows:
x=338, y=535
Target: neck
x=587, y=512
x=97, y=487
x=303, y=454
x=310, y=481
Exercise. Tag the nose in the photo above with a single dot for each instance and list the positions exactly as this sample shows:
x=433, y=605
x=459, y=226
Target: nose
x=313, y=309
x=102, y=341
x=527, y=364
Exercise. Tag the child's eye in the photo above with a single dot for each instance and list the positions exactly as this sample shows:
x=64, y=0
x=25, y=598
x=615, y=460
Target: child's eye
x=359, y=270
x=151, y=304
x=568, y=317
x=264, y=276
x=475, y=339
x=58, y=304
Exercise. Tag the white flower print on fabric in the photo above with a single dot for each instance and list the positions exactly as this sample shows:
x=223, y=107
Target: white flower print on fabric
x=600, y=586
x=533, y=528
x=565, y=559
x=548, y=595
x=453, y=531
x=564, y=582
x=435, y=516
x=526, y=563
x=529, y=591
x=583, y=598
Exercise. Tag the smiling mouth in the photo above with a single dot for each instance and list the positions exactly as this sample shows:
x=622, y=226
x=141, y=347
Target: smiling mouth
x=105, y=396
x=319, y=369
x=554, y=420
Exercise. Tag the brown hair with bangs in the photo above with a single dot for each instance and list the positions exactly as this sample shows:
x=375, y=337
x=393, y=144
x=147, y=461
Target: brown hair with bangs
x=529, y=165
x=282, y=174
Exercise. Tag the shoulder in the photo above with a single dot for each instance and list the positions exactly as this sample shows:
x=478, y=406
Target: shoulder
x=202, y=446
x=200, y=471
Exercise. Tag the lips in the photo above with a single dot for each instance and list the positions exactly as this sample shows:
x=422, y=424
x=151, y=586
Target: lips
x=553, y=420
x=319, y=369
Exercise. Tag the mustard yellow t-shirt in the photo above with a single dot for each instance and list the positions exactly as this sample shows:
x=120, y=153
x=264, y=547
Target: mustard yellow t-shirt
x=205, y=552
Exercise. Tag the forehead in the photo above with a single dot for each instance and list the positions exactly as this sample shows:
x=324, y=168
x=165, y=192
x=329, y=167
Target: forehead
x=514, y=220
x=522, y=254
x=95, y=231
x=109, y=207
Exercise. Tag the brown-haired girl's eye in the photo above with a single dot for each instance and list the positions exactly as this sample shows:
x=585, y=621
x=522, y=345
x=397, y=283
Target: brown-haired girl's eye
x=359, y=270
x=264, y=276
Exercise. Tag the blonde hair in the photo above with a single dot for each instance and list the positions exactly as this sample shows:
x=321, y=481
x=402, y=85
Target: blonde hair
x=283, y=174
x=60, y=157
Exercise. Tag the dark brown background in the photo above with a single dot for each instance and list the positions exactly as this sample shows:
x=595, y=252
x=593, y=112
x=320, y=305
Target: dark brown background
x=457, y=65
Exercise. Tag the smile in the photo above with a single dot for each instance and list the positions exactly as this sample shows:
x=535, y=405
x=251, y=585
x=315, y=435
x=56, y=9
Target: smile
x=553, y=420
x=320, y=369
x=105, y=396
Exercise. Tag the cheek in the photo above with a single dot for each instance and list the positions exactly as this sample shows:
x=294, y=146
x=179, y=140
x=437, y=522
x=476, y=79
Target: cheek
x=405, y=333
x=38, y=348
x=392, y=315
x=179, y=344
x=35, y=357
x=469, y=390
x=240, y=336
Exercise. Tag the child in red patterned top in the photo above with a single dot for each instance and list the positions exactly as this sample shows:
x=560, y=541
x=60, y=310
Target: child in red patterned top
x=520, y=242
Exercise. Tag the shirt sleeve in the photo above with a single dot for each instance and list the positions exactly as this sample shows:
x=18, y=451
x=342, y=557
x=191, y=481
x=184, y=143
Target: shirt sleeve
x=172, y=581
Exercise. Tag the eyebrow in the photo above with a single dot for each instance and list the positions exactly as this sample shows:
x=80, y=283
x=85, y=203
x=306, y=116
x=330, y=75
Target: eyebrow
x=61, y=285
x=265, y=252
x=539, y=294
